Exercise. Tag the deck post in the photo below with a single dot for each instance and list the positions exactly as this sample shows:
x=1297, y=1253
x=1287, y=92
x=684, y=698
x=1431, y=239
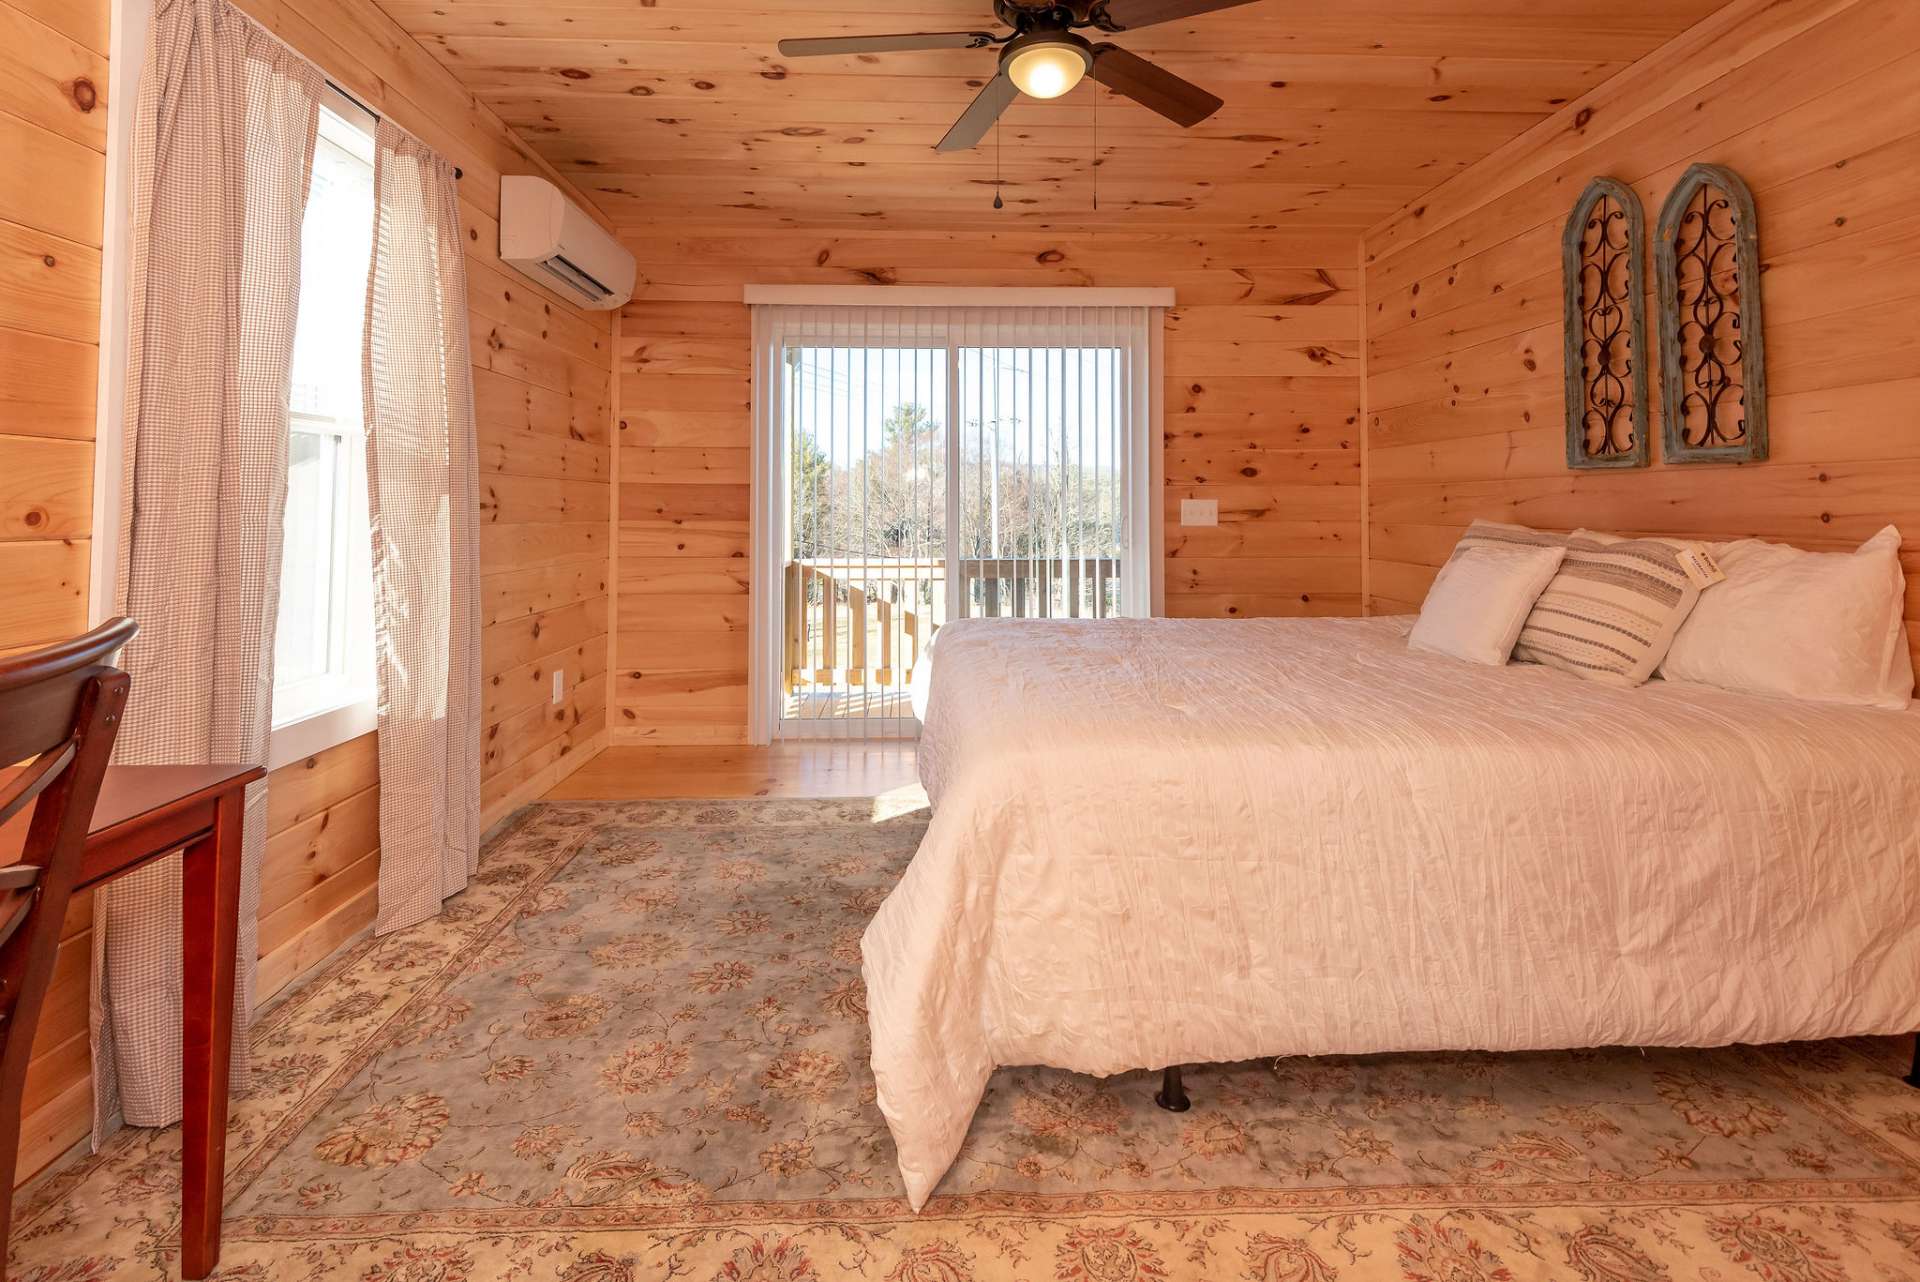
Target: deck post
x=856, y=635
x=796, y=625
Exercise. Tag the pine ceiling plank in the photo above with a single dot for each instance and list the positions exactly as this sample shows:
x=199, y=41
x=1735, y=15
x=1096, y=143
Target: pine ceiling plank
x=1337, y=114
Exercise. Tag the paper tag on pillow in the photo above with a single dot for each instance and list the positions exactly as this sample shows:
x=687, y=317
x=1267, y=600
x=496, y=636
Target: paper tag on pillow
x=1699, y=566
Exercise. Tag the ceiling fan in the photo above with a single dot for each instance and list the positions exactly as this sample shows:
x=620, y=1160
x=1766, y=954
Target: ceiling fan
x=1044, y=57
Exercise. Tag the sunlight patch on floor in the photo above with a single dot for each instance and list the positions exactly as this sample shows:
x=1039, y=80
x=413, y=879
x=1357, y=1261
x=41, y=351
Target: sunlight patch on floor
x=895, y=802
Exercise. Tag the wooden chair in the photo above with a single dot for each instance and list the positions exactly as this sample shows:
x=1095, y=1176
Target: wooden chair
x=59, y=711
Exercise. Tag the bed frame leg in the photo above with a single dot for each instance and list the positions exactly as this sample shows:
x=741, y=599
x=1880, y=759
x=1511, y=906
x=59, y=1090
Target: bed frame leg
x=1172, y=1096
x=1913, y=1077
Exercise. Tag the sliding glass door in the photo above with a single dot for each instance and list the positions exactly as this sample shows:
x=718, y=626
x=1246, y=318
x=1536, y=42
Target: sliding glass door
x=928, y=464
x=865, y=508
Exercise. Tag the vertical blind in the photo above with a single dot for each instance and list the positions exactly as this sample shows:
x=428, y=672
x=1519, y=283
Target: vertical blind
x=919, y=464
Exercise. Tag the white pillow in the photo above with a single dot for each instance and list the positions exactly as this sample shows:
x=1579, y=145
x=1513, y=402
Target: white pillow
x=1824, y=626
x=1478, y=604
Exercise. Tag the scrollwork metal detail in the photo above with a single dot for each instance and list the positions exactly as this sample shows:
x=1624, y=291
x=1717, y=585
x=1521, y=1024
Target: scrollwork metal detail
x=1712, y=357
x=1602, y=252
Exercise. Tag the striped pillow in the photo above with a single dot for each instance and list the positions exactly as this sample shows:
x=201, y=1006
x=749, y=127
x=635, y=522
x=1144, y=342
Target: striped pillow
x=1612, y=611
x=1494, y=534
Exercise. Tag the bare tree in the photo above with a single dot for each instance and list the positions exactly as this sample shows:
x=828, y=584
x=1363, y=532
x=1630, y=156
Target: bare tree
x=1022, y=499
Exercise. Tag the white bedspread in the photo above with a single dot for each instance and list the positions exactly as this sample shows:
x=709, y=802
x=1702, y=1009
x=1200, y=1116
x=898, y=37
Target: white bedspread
x=1190, y=841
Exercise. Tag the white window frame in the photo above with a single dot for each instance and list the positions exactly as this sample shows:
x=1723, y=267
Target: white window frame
x=770, y=537
x=344, y=703
x=316, y=693
x=341, y=704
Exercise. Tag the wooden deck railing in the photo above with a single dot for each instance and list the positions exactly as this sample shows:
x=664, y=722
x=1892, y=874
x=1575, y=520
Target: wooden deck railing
x=861, y=623
x=857, y=623
x=1019, y=588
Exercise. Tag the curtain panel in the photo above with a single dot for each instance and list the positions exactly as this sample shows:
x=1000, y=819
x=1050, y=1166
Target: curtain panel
x=422, y=491
x=221, y=158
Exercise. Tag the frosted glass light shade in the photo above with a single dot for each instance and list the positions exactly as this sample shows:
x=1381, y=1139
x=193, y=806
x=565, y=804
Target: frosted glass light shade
x=1047, y=70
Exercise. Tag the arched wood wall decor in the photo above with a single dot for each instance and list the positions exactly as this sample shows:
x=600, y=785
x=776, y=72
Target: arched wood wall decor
x=1712, y=359
x=1603, y=258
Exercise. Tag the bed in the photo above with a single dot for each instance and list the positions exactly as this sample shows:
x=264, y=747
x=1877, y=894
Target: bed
x=1162, y=842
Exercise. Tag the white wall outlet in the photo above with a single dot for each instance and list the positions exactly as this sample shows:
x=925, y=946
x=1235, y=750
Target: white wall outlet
x=1199, y=511
x=559, y=685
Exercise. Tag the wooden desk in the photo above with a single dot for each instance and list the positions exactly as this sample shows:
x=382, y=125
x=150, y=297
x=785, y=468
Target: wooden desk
x=144, y=813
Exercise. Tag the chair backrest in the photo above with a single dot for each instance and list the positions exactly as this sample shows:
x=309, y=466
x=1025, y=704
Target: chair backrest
x=59, y=711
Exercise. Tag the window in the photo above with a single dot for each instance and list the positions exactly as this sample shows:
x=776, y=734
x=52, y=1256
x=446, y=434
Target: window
x=323, y=653
x=931, y=463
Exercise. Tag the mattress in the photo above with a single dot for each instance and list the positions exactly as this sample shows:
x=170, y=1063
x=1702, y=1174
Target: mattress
x=1163, y=841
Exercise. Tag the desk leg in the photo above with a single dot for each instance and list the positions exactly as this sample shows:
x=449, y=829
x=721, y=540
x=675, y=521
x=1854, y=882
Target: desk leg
x=210, y=903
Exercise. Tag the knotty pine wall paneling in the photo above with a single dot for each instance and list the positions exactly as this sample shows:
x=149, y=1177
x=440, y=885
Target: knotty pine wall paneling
x=1817, y=104
x=53, y=142
x=1262, y=413
x=541, y=370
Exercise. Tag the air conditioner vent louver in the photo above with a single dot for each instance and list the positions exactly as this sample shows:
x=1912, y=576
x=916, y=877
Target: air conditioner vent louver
x=570, y=275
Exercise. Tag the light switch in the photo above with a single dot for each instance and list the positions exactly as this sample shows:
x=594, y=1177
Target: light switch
x=1199, y=511
x=559, y=684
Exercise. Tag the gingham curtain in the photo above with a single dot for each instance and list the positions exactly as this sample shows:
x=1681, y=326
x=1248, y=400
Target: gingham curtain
x=422, y=492
x=222, y=156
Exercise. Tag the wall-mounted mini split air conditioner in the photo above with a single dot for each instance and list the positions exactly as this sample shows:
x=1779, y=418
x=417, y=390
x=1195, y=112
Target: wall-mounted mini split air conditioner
x=550, y=239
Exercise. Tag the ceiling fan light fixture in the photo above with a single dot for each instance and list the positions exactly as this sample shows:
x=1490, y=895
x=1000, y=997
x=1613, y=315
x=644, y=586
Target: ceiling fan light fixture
x=1044, y=57
x=1048, y=68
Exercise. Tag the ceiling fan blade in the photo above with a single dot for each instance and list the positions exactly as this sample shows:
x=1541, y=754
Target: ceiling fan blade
x=886, y=44
x=980, y=114
x=1181, y=101
x=1131, y=15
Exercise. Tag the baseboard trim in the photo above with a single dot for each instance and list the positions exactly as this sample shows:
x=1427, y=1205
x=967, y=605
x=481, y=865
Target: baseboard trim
x=540, y=783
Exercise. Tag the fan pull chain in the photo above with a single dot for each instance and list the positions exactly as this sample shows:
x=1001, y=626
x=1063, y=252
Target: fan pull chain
x=997, y=202
x=1096, y=146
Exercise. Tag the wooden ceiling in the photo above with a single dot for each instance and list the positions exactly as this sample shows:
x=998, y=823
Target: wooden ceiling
x=1339, y=112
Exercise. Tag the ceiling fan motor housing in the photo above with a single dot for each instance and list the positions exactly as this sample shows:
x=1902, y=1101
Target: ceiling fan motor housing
x=1024, y=17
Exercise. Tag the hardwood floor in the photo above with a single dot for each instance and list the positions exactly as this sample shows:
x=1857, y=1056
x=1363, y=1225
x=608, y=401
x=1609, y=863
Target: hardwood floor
x=782, y=770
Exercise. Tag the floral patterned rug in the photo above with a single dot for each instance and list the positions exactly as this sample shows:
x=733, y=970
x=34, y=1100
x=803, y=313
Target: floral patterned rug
x=635, y=1048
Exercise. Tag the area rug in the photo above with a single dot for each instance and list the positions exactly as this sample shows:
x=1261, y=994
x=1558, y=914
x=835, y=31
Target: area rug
x=636, y=1049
